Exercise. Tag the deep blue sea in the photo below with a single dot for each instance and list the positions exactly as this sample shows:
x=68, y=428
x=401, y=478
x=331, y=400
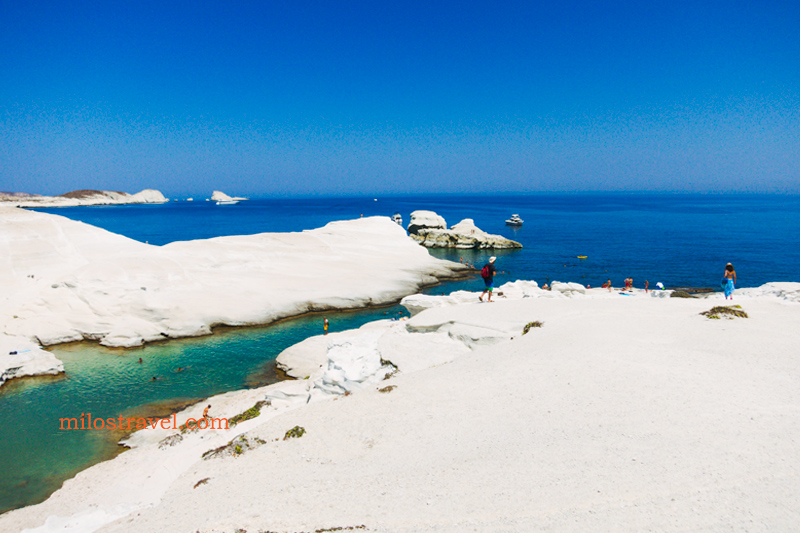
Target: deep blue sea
x=680, y=240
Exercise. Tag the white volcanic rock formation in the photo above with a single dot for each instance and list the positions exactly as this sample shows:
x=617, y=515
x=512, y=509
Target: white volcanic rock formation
x=64, y=281
x=219, y=196
x=783, y=290
x=21, y=358
x=83, y=197
x=430, y=230
x=422, y=219
x=556, y=427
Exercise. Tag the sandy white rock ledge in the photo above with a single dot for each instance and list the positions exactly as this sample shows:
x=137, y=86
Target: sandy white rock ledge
x=619, y=413
x=67, y=281
x=85, y=197
x=22, y=358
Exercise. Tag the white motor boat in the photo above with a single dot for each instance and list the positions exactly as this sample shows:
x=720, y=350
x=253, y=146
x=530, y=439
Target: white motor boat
x=397, y=218
x=227, y=202
x=514, y=221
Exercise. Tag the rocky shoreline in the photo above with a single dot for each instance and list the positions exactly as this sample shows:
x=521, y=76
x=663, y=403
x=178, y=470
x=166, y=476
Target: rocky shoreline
x=463, y=381
x=65, y=281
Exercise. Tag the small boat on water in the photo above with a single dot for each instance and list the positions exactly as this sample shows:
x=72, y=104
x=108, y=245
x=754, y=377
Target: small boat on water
x=514, y=221
x=397, y=218
x=582, y=256
x=227, y=202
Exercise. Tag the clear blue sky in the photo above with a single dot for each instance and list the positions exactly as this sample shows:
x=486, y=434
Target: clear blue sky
x=379, y=97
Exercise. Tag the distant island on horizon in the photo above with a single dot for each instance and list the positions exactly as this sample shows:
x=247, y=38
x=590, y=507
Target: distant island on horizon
x=81, y=197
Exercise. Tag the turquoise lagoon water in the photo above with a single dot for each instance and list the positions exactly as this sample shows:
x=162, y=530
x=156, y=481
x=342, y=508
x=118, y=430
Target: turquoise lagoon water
x=36, y=456
x=681, y=240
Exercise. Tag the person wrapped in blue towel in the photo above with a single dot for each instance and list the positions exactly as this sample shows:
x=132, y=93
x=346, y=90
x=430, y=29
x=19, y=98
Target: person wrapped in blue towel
x=728, y=281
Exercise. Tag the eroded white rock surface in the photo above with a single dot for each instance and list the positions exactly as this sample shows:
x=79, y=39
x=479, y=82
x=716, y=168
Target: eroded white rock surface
x=788, y=291
x=22, y=358
x=422, y=219
x=372, y=351
x=65, y=281
x=781, y=290
x=219, y=196
x=430, y=230
x=513, y=290
x=568, y=288
x=502, y=418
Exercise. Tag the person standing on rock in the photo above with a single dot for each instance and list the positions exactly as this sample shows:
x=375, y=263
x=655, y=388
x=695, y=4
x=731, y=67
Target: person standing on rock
x=487, y=273
x=728, y=281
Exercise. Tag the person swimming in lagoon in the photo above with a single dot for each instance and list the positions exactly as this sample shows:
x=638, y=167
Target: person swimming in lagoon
x=728, y=281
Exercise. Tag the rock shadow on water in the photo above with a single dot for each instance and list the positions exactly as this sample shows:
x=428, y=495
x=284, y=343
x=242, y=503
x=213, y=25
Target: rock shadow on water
x=17, y=385
x=268, y=374
x=154, y=410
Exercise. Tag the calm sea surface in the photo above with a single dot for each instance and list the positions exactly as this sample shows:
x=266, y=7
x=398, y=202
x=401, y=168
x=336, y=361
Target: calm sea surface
x=675, y=239
x=680, y=240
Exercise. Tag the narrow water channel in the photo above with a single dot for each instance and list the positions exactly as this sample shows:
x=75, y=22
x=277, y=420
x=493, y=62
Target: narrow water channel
x=37, y=456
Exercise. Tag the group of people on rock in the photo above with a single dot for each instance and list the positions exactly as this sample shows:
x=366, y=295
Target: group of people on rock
x=728, y=282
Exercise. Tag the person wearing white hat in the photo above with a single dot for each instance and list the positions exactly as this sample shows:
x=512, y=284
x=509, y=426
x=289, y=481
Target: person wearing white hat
x=487, y=273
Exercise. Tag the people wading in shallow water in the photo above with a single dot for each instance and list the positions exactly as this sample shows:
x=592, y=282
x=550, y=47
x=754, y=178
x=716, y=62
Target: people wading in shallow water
x=325, y=326
x=729, y=281
x=487, y=273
